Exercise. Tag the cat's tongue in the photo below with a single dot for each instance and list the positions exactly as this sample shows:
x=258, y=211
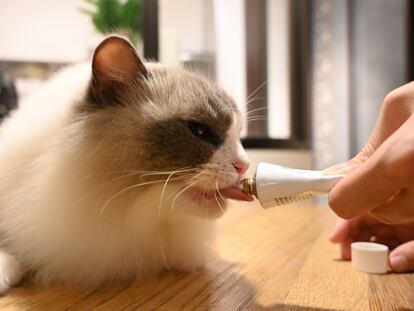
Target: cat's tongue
x=235, y=193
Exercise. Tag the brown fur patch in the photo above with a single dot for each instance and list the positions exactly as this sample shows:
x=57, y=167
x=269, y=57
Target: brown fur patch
x=146, y=128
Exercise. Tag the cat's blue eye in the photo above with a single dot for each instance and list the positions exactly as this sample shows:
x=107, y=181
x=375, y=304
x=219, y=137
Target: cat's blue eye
x=200, y=130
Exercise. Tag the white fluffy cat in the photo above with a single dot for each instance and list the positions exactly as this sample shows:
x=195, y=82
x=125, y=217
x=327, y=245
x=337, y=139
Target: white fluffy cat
x=114, y=171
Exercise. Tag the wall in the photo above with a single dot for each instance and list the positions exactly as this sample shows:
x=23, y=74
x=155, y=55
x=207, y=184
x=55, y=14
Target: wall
x=44, y=30
x=358, y=56
x=190, y=21
x=278, y=68
x=379, y=60
x=291, y=158
x=229, y=21
x=330, y=83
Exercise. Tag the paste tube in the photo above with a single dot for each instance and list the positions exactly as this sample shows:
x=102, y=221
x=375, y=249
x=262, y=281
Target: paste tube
x=275, y=185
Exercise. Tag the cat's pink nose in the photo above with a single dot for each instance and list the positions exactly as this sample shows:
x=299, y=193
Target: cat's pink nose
x=240, y=167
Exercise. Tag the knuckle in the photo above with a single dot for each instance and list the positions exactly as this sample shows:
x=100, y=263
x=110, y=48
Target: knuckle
x=347, y=214
x=385, y=217
x=386, y=170
x=340, y=209
x=399, y=97
x=392, y=98
x=395, y=164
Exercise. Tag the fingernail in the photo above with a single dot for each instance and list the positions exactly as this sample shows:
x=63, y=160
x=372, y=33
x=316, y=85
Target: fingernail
x=332, y=237
x=334, y=234
x=399, y=263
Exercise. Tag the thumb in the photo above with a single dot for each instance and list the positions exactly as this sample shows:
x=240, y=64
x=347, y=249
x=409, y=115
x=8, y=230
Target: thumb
x=341, y=168
x=349, y=166
x=402, y=258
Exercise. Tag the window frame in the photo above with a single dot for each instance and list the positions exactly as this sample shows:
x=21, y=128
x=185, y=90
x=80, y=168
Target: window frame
x=256, y=68
x=299, y=67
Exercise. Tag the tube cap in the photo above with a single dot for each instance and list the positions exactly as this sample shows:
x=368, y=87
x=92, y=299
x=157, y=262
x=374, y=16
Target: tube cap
x=370, y=257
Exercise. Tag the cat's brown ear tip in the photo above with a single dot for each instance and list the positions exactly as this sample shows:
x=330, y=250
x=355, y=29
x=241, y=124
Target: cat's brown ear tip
x=114, y=39
x=116, y=58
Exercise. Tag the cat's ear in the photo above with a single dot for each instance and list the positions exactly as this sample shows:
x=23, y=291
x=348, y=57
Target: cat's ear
x=115, y=65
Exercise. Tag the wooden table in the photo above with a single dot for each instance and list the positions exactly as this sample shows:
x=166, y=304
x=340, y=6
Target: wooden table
x=277, y=259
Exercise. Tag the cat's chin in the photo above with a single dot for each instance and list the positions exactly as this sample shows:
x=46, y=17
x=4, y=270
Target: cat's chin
x=217, y=196
x=214, y=202
x=210, y=201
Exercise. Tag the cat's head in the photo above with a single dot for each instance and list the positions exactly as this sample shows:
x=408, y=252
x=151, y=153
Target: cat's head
x=166, y=124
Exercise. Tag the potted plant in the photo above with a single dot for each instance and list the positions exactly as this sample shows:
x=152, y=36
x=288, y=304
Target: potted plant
x=117, y=16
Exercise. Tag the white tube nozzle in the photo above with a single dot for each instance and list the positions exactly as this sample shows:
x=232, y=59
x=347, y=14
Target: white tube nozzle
x=278, y=185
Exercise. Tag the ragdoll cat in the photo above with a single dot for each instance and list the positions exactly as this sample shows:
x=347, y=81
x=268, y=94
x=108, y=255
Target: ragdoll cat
x=114, y=172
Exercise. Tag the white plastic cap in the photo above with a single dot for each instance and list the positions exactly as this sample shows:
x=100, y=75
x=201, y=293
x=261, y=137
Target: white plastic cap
x=370, y=257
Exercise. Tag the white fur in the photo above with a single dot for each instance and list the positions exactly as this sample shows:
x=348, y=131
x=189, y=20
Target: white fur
x=51, y=217
x=10, y=272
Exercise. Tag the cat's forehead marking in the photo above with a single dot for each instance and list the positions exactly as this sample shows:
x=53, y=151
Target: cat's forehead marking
x=185, y=96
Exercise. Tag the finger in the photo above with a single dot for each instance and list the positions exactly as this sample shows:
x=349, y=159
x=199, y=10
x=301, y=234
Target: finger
x=341, y=168
x=363, y=189
x=341, y=231
x=377, y=236
x=371, y=184
x=346, y=228
x=395, y=110
x=349, y=166
x=391, y=236
x=402, y=258
x=383, y=232
x=391, y=243
x=342, y=235
x=364, y=235
x=398, y=209
x=346, y=248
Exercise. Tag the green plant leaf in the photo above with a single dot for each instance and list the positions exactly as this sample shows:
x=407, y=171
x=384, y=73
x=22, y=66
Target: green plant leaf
x=116, y=16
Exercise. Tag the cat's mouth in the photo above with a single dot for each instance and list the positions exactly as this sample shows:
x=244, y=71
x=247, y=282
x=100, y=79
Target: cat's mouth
x=219, y=195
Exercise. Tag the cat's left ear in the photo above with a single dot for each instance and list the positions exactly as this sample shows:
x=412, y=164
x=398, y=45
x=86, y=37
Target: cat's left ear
x=115, y=65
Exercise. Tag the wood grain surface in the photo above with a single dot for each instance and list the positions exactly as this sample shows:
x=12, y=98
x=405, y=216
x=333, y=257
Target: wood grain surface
x=276, y=259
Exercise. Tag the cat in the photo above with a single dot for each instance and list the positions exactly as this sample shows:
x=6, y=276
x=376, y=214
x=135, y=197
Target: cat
x=115, y=171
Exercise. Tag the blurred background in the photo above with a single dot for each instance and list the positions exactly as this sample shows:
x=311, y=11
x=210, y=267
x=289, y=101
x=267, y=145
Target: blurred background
x=310, y=74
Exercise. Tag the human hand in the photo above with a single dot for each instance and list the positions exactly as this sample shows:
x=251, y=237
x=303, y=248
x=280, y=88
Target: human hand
x=380, y=179
x=366, y=228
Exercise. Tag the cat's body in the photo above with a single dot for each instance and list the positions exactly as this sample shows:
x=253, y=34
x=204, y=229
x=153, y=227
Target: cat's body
x=115, y=178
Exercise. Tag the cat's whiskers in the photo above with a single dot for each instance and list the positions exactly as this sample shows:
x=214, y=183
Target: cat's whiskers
x=218, y=190
x=180, y=193
x=129, y=188
x=142, y=173
x=249, y=100
x=227, y=173
x=132, y=171
x=221, y=164
x=192, y=177
x=199, y=174
x=256, y=90
x=255, y=116
x=214, y=168
x=231, y=109
x=255, y=110
x=101, y=185
x=256, y=119
x=170, y=172
x=215, y=196
x=252, y=100
x=164, y=257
